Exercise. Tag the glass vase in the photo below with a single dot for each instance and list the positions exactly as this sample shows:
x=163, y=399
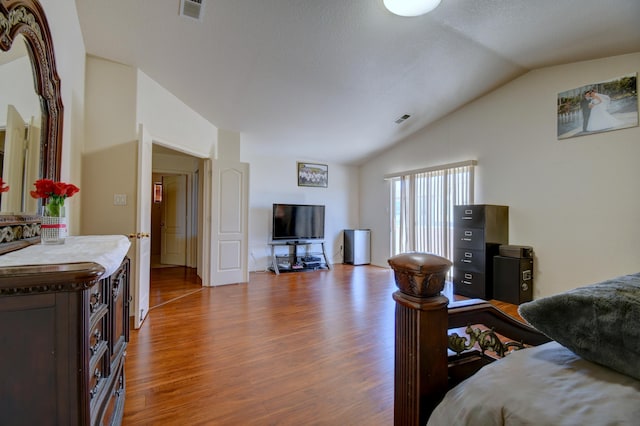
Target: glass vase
x=53, y=229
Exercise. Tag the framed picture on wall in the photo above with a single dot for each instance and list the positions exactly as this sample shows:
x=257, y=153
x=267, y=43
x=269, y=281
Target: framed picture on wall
x=598, y=107
x=311, y=174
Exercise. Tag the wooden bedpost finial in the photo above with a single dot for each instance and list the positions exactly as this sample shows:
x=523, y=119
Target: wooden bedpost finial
x=420, y=274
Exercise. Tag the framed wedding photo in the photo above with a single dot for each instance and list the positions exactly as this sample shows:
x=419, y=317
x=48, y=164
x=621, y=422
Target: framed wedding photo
x=311, y=174
x=598, y=107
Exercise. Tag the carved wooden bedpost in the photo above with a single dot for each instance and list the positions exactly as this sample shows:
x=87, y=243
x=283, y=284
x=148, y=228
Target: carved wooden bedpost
x=421, y=336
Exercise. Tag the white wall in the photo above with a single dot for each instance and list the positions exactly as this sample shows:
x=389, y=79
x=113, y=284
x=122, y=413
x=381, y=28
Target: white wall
x=111, y=104
x=575, y=200
x=179, y=164
x=70, y=55
x=110, y=154
x=118, y=98
x=274, y=180
x=170, y=120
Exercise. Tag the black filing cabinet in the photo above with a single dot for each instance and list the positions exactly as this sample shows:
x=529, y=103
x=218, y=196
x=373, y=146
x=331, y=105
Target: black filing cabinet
x=513, y=279
x=479, y=230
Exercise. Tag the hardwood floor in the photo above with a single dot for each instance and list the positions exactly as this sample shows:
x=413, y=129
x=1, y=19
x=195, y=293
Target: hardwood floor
x=170, y=283
x=298, y=348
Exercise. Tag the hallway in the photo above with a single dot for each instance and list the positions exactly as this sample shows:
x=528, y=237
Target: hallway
x=172, y=283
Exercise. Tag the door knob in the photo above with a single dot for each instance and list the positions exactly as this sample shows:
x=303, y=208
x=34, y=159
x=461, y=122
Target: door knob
x=139, y=235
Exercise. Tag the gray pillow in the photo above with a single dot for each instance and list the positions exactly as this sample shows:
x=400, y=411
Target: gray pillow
x=600, y=322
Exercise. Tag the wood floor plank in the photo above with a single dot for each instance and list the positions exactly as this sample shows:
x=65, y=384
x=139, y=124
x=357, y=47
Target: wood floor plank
x=298, y=348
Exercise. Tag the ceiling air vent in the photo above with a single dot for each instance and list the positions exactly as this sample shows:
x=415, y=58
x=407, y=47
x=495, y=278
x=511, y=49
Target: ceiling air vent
x=192, y=8
x=401, y=119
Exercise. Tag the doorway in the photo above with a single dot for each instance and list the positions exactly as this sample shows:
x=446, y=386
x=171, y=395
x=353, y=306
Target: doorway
x=174, y=225
x=169, y=233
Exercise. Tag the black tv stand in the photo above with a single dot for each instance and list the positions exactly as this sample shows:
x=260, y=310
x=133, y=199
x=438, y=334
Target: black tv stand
x=294, y=262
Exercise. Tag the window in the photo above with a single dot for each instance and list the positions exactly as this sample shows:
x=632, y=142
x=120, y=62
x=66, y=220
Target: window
x=422, y=207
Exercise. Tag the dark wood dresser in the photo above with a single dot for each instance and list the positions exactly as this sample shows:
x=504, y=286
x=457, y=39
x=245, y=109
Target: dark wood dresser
x=63, y=337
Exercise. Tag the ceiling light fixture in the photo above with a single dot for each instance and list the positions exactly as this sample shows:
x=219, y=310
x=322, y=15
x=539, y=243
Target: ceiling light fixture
x=411, y=7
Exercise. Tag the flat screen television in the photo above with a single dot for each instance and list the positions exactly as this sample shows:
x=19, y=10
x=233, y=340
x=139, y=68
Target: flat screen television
x=298, y=222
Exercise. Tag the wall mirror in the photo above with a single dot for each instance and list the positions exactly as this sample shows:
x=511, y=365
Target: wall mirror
x=31, y=117
x=20, y=130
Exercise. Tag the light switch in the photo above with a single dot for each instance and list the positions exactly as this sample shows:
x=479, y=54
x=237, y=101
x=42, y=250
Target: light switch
x=119, y=199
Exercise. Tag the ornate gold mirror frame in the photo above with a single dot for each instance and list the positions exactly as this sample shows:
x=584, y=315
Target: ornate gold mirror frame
x=27, y=18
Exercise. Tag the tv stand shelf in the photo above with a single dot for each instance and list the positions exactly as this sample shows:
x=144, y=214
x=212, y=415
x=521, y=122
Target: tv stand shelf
x=293, y=261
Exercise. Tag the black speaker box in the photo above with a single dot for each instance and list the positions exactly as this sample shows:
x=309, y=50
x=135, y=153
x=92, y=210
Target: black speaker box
x=513, y=279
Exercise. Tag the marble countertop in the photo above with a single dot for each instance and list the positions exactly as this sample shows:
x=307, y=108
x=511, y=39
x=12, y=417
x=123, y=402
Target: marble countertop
x=105, y=250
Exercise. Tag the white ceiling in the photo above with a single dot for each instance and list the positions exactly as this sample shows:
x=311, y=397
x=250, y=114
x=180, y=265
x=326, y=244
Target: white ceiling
x=326, y=79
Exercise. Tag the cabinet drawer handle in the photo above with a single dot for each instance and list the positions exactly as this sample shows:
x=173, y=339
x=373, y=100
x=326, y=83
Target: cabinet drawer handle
x=115, y=291
x=465, y=261
x=94, y=348
x=468, y=276
x=466, y=282
x=468, y=211
x=468, y=233
x=467, y=217
x=95, y=301
x=98, y=335
x=466, y=239
x=467, y=254
x=93, y=392
x=120, y=389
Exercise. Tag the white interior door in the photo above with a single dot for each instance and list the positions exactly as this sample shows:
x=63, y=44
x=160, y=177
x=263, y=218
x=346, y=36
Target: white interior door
x=142, y=263
x=13, y=163
x=32, y=165
x=229, y=222
x=174, y=220
x=193, y=208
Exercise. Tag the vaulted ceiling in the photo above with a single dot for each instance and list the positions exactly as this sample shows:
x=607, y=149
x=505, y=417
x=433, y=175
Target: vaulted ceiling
x=327, y=79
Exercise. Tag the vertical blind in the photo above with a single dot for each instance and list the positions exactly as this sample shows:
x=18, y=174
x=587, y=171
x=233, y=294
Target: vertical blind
x=422, y=207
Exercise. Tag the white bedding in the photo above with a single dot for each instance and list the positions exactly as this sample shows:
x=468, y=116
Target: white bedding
x=545, y=385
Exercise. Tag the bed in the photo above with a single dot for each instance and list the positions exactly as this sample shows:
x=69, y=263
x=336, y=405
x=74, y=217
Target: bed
x=580, y=365
x=543, y=385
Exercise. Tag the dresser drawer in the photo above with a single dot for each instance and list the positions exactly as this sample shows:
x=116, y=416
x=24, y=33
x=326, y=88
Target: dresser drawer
x=114, y=407
x=97, y=301
x=119, y=318
x=97, y=333
x=98, y=373
x=472, y=238
x=471, y=284
x=469, y=260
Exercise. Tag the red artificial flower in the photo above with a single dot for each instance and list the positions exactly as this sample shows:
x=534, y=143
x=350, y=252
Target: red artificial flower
x=59, y=188
x=58, y=191
x=44, y=188
x=71, y=190
x=3, y=186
